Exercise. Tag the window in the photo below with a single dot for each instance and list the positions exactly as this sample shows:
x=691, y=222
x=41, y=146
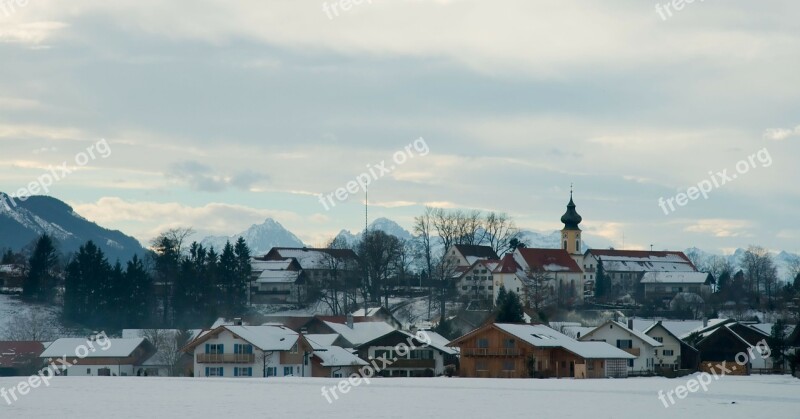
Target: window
x=88, y=371
x=422, y=354
x=669, y=352
x=215, y=349
x=509, y=343
x=272, y=371
x=624, y=343
x=214, y=372
x=475, y=287
x=241, y=349
x=288, y=371
x=242, y=372
x=659, y=339
x=630, y=363
x=578, y=245
x=464, y=288
x=491, y=287
x=483, y=343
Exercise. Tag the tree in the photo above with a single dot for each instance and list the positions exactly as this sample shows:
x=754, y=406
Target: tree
x=423, y=227
x=538, y=284
x=168, y=248
x=500, y=232
x=778, y=343
x=43, y=270
x=378, y=253
x=515, y=244
x=601, y=282
x=8, y=258
x=139, y=305
x=168, y=344
x=34, y=326
x=509, y=308
x=87, y=288
x=241, y=286
x=760, y=272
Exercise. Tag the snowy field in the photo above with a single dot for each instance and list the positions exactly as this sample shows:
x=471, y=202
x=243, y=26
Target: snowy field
x=78, y=397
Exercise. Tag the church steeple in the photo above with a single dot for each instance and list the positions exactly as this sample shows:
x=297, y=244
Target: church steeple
x=571, y=233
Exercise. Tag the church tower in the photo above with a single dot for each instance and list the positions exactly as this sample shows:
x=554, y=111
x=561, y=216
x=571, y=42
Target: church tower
x=571, y=234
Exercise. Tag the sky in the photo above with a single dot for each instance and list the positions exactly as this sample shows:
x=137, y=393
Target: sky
x=219, y=114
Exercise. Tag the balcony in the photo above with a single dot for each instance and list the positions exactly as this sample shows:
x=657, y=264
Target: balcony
x=490, y=352
x=226, y=358
x=414, y=363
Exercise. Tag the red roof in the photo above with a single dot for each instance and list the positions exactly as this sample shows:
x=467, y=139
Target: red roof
x=507, y=265
x=14, y=353
x=545, y=258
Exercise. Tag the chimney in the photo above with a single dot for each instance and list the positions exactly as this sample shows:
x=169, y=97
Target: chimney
x=303, y=331
x=237, y=321
x=350, y=320
x=630, y=323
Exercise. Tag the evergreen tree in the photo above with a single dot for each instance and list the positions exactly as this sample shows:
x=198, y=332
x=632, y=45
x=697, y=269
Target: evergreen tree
x=511, y=310
x=600, y=282
x=88, y=286
x=8, y=258
x=138, y=307
x=42, y=274
x=167, y=267
x=243, y=272
x=502, y=295
x=227, y=280
x=778, y=343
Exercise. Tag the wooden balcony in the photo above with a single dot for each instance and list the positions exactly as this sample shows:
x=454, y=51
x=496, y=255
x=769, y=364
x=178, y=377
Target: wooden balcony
x=226, y=358
x=490, y=352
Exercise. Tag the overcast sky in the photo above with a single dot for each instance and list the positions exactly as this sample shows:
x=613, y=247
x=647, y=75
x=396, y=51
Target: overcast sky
x=220, y=114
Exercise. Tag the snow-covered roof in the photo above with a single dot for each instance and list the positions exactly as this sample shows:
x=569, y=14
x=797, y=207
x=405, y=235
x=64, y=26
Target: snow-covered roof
x=370, y=312
x=266, y=338
x=273, y=277
x=544, y=337
x=335, y=356
x=639, y=261
x=439, y=342
x=11, y=269
x=321, y=340
x=117, y=348
x=361, y=332
x=640, y=335
x=676, y=327
x=674, y=278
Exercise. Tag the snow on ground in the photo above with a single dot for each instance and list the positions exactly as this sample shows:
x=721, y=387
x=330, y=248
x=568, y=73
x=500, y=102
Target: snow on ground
x=11, y=308
x=122, y=397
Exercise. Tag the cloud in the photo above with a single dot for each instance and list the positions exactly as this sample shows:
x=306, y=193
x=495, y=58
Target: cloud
x=202, y=177
x=718, y=227
x=780, y=134
x=31, y=34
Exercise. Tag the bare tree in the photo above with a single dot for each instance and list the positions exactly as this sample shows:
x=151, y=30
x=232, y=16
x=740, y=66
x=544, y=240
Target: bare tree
x=539, y=288
x=423, y=228
x=759, y=270
x=34, y=326
x=168, y=345
x=500, y=231
x=378, y=252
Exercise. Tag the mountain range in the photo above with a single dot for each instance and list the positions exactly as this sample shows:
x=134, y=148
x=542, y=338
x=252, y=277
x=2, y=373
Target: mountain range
x=22, y=222
x=259, y=237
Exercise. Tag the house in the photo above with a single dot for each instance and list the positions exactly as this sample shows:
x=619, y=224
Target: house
x=168, y=359
x=561, y=270
x=379, y=314
x=732, y=342
x=525, y=351
x=250, y=351
x=424, y=358
x=476, y=282
x=664, y=286
x=638, y=344
x=98, y=357
x=465, y=255
x=335, y=362
x=625, y=268
x=279, y=281
x=20, y=358
x=11, y=279
x=675, y=354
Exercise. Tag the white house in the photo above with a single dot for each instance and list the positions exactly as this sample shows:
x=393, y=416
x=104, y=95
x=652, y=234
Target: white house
x=250, y=351
x=674, y=353
x=98, y=356
x=636, y=343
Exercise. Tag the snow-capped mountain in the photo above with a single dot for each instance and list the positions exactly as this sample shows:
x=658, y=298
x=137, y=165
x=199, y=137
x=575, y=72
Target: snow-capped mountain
x=22, y=222
x=782, y=259
x=383, y=224
x=539, y=240
x=259, y=237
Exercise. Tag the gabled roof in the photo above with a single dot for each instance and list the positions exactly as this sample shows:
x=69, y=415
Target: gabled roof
x=361, y=332
x=265, y=338
x=117, y=348
x=12, y=354
x=490, y=265
x=639, y=335
x=335, y=356
x=659, y=325
x=310, y=258
x=643, y=260
x=318, y=341
x=481, y=252
x=549, y=260
x=507, y=265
